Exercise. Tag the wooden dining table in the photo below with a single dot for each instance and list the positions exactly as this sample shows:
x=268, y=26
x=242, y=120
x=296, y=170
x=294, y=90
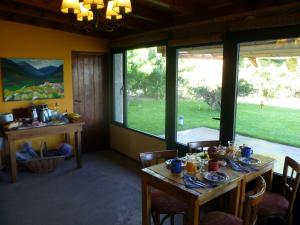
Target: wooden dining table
x=160, y=177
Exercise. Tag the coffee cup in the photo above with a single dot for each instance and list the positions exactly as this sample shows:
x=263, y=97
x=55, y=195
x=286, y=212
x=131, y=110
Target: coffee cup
x=246, y=152
x=213, y=165
x=176, y=166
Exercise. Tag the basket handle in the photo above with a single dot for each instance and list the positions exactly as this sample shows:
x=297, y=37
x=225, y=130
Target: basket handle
x=43, y=148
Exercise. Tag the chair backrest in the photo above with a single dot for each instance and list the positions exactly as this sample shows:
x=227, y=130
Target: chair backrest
x=291, y=179
x=253, y=198
x=152, y=158
x=199, y=145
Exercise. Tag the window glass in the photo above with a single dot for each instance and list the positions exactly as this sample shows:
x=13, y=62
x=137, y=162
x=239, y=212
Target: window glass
x=146, y=85
x=268, y=99
x=199, y=84
x=118, y=87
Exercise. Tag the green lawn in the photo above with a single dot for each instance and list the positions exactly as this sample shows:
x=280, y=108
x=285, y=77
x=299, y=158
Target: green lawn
x=275, y=124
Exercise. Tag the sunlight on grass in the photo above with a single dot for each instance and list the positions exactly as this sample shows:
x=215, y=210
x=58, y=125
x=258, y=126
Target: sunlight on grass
x=276, y=124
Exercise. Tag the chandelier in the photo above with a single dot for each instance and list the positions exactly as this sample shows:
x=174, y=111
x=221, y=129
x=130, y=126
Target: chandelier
x=89, y=10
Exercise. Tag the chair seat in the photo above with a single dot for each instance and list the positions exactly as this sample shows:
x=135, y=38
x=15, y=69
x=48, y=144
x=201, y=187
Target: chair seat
x=218, y=218
x=273, y=205
x=165, y=204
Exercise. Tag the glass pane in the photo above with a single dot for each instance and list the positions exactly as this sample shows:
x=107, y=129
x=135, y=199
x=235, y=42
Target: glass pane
x=118, y=87
x=146, y=85
x=199, y=84
x=268, y=102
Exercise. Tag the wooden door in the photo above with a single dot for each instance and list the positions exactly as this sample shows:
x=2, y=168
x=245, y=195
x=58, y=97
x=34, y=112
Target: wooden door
x=90, y=98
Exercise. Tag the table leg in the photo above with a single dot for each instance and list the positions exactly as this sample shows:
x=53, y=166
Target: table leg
x=242, y=198
x=192, y=214
x=78, y=149
x=13, y=161
x=67, y=138
x=268, y=176
x=146, y=202
x=234, y=199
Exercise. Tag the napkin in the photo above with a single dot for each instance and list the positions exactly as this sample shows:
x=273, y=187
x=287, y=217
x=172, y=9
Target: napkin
x=192, y=182
x=241, y=168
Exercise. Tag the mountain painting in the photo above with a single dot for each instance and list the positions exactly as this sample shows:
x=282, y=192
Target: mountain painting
x=32, y=79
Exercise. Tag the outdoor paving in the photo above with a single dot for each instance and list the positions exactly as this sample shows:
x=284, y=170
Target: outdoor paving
x=274, y=150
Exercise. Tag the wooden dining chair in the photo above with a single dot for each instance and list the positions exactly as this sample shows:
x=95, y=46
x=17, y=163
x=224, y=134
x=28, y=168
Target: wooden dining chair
x=281, y=205
x=253, y=198
x=161, y=203
x=200, y=145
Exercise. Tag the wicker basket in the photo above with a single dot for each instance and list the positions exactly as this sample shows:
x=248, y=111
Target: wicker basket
x=45, y=163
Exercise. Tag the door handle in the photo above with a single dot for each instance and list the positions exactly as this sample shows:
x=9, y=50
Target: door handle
x=78, y=101
x=216, y=118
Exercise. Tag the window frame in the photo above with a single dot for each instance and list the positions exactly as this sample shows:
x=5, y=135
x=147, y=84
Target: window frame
x=125, y=88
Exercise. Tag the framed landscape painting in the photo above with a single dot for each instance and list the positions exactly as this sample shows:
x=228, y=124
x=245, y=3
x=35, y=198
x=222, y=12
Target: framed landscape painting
x=32, y=79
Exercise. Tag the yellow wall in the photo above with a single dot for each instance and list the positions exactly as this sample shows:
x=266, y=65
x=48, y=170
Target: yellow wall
x=132, y=143
x=25, y=41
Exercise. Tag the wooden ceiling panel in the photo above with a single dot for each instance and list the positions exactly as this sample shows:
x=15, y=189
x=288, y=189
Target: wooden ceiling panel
x=147, y=15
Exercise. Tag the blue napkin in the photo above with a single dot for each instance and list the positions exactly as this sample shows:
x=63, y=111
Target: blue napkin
x=241, y=168
x=192, y=182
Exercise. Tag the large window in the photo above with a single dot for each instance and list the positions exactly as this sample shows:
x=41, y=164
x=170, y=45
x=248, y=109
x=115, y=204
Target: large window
x=145, y=89
x=199, y=84
x=268, y=102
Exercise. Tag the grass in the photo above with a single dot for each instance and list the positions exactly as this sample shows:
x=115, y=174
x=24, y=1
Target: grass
x=276, y=124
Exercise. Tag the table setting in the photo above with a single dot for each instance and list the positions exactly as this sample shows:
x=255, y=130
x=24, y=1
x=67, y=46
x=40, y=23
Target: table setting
x=213, y=167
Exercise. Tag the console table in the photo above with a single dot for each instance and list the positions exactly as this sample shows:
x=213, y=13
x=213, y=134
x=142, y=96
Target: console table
x=13, y=135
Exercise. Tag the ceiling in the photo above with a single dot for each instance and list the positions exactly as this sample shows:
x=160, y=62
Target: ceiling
x=147, y=15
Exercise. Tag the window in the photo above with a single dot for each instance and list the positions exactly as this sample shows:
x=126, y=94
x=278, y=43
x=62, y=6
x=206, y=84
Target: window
x=199, y=84
x=118, y=87
x=146, y=85
x=268, y=99
x=143, y=86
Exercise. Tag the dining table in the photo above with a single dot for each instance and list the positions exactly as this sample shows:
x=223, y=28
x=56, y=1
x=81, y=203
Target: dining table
x=160, y=177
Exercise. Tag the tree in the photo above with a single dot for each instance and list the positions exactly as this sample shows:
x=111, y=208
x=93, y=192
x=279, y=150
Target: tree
x=146, y=72
x=245, y=88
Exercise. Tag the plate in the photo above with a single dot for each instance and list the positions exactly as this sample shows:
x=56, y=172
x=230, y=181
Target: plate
x=216, y=177
x=249, y=161
x=168, y=162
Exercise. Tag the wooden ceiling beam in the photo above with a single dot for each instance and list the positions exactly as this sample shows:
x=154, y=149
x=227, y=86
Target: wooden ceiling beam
x=180, y=7
x=53, y=5
x=139, y=11
x=45, y=23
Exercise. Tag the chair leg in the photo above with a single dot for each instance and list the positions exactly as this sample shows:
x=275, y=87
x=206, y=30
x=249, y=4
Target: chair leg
x=155, y=218
x=172, y=220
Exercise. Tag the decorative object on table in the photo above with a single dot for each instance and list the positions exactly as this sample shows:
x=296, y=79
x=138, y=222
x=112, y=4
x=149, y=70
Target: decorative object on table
x=73, y=117
x=47, y=162
x=31, y=79
x=176, y=165
x=192, y=182
x=236, y=166
x=216, y=177
x=191, y=164
x=12, y=125
x=168, y=162
x=198, y=146
x=213, y=165
x=44, y=114
x=231, y=150
x=6, y=117
x=246, y=152
x=249, y=161
x=212, y=150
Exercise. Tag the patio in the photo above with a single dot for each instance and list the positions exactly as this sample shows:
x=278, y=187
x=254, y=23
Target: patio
x=275, y=150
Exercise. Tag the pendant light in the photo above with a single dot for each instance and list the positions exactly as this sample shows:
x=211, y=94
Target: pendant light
x=93, y=4
x=85, y=14
x=110, y=13
x=122, y=6
x=70, y=6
